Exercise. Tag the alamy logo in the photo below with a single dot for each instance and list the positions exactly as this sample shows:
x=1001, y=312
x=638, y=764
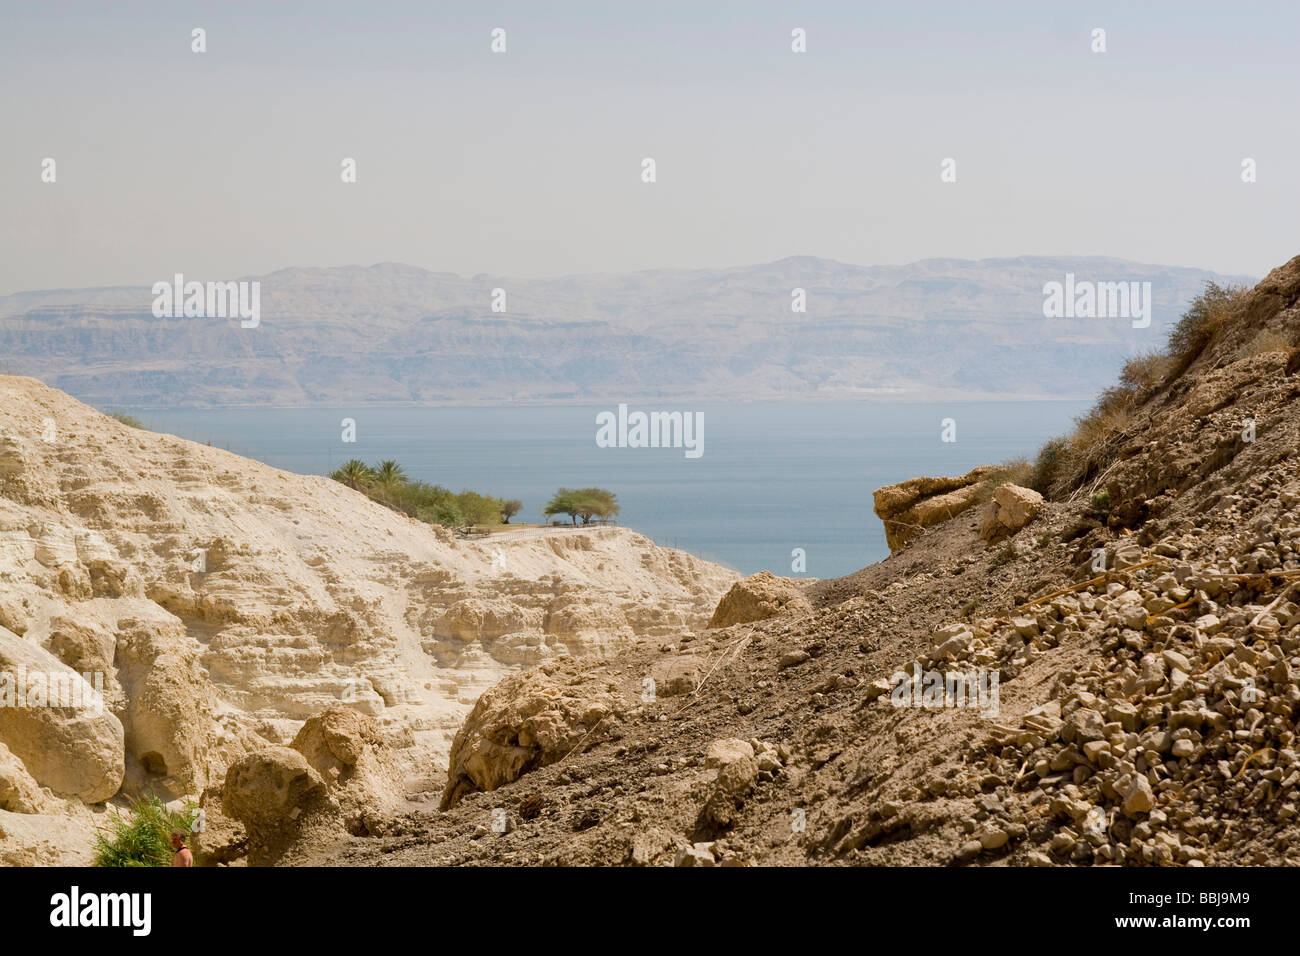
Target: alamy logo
x=213, y=300
x=24, y=688
x=72, y=909
x=977, y=688
x=1098, y=300
x=651, y=430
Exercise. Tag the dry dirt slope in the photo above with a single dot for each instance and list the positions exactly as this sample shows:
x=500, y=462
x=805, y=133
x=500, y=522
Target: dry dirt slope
x=307, y=595
x=1147, y=715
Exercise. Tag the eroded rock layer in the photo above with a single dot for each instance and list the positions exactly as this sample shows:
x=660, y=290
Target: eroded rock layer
x=220, y=603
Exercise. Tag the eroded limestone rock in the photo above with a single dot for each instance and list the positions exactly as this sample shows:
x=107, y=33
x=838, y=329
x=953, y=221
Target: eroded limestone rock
x=911, y=506
x=758, y=597
x=528, y=720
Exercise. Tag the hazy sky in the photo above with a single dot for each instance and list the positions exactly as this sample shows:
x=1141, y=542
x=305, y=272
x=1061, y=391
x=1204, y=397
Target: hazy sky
x=227, y=163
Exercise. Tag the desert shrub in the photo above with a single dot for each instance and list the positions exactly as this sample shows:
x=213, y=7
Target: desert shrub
x=1206, y=315
x=1115, y=408
x=425, y=501
x=1144, y=373
x=1047, y=466
x=1093, y=430
x=142, y=837
x=129, y=420
x=1266, y=340
x=1066, y=463
x=1016, y=471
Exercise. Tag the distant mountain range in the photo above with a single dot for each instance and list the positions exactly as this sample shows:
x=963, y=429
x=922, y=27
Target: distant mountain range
x=397, y=334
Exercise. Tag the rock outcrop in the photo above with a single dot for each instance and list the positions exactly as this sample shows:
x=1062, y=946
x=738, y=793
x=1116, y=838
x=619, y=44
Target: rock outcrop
x=32, y=839
x=530, y=719
x=758, y=597
x=339, y=774
x=1010, y=510
x=281, y=801
x=911, y=506
x=350, y=753
x=55, y=723
x=220, y=603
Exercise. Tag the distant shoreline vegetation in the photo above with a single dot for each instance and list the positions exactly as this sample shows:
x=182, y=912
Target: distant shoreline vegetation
x=584, y=503
x=129, y=420
x=387, y=484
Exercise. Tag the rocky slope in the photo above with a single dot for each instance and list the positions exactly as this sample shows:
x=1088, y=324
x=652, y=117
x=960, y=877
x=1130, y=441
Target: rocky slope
x=216, y=604
x=1142, y=625
x=393, y=334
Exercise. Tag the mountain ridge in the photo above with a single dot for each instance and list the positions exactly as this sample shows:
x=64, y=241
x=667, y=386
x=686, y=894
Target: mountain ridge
x=392, y=333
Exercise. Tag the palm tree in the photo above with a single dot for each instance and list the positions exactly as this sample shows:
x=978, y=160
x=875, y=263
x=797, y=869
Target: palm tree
x=355, y=474
x=389, y=474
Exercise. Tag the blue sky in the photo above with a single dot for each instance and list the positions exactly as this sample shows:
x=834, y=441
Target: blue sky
x=226, y=163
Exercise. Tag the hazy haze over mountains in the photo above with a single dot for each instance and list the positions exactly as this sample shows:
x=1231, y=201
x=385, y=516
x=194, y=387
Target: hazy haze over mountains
x=394, y=334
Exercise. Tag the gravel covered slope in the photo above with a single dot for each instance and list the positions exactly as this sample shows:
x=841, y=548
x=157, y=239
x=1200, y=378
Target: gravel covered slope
x=1146, y=655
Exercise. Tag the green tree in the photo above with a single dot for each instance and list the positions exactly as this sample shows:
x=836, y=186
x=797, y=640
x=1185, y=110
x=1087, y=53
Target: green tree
x=597, y=503
x=584, y=503
x=563, y=502
x=389, y=484
x=476, y=509
x=436, y=505
x=355, y=474
x=390, y=474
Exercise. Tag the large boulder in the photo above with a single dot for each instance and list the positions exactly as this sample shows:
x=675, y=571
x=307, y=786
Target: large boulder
x=677, y=674
x=13, y=614
x=757, y=598
x=349, y=752
x=727, y=750
x=529, y=720
x=911, y=506
x=1010, y=510
x=736, y=778
x=221, y=840
x=76, y=749
x=280, y=799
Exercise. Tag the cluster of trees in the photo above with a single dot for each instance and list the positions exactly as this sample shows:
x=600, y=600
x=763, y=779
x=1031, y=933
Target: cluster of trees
x=388, y=484
x=584, y=503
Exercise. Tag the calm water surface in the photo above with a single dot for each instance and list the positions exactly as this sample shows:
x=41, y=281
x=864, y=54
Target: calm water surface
x=772, y=477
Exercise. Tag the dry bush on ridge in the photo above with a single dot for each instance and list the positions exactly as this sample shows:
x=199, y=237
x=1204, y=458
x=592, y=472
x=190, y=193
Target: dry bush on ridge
x=1209, y=312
